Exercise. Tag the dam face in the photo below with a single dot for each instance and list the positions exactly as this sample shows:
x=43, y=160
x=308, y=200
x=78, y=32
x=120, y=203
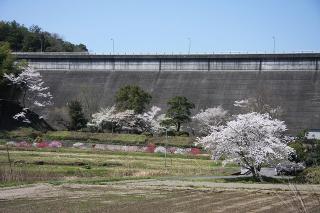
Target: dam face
x=288, y=80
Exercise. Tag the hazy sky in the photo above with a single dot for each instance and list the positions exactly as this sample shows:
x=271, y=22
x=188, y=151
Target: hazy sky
x=151, y=26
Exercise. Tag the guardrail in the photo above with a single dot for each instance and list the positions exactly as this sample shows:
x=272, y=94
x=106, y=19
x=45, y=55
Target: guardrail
x=166, y=53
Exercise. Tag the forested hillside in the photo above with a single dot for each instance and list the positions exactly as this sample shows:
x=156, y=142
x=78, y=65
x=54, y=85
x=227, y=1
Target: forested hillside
x=34, y=39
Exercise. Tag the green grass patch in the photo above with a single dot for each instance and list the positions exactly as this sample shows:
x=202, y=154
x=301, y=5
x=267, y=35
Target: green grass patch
x=38, y=165
x=89, y=137
x=108, y=152
x=125, y=139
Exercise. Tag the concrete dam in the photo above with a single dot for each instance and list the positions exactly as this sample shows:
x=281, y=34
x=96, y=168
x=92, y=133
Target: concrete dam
x=288, y=80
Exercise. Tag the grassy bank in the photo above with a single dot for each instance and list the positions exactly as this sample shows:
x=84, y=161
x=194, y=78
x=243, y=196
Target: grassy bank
x=69, y=164
x=88, y=137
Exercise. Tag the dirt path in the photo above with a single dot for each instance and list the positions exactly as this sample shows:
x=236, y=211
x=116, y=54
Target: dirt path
x=232, y=186
x=160, y=196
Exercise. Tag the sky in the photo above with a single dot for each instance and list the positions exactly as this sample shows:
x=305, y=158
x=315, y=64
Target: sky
x=174, y=26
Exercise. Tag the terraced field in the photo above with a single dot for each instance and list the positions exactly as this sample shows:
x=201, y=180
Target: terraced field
x=76, y=180
x=32, y=165
x=141, y=197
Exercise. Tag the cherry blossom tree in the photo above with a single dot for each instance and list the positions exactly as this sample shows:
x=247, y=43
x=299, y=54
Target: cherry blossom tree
x=251, y=139
x=126, y=120
x=150, y=120
x=34, y=94
x=104, y=119
x=258, y=104
x=210, y=118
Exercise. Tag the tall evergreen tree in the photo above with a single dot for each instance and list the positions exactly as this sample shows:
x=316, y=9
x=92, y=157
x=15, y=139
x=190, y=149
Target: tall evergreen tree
x=132, y=97
x=179, y=110
x=78, y=121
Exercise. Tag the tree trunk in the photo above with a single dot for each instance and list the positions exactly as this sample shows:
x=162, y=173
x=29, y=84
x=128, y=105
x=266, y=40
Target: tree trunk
x=256, y=173
x=178, y=126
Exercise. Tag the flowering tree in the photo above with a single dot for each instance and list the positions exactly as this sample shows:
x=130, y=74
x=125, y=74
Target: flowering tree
x=104, y=119
x=210, y=118
x=251, y=140
x=34, y=94
x=150, y=120
x=258, y=104
x=126, y=120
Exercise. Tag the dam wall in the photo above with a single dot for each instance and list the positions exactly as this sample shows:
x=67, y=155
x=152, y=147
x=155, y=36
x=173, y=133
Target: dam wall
x=80, y=62
x=288, y=80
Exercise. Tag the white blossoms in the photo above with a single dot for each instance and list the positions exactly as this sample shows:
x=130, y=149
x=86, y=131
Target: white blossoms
x=250, y=139
x=34, y=94
x=209, y=118
x=126, y=120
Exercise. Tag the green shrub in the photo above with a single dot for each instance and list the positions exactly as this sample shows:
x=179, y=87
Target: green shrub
x=147, y=134
x=301, y=151
x=21, y=133
x=175, y=133
x=182, y=134
x=310, y=175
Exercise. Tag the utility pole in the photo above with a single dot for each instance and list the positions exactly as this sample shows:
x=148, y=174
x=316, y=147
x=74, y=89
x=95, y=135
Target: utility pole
x=112, y=45
x=165, y=153
x=274, y=44
x=41, y=44
x=41, y=41
x=189, y=39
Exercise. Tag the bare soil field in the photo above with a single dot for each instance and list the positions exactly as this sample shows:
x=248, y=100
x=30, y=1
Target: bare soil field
x=160, y=196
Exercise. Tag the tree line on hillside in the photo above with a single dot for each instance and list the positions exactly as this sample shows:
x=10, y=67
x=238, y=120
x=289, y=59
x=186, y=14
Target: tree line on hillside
x=34, y=39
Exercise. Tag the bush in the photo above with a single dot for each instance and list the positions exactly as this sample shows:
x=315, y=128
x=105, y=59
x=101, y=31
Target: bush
x=175, y=133
x=301, y=152
x=147, y=134
x=150, y=148
x=21, y=133
x=23, y=144
x=42, y=144
x=182, y=134
x=195, y=151
x=160, y=149
x=169, y=133
x=55, y=144
x=310, y=175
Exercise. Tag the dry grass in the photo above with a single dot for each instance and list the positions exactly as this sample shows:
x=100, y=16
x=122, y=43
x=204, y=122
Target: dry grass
x=22, y=175
x=128, y=197
x=40, y=165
